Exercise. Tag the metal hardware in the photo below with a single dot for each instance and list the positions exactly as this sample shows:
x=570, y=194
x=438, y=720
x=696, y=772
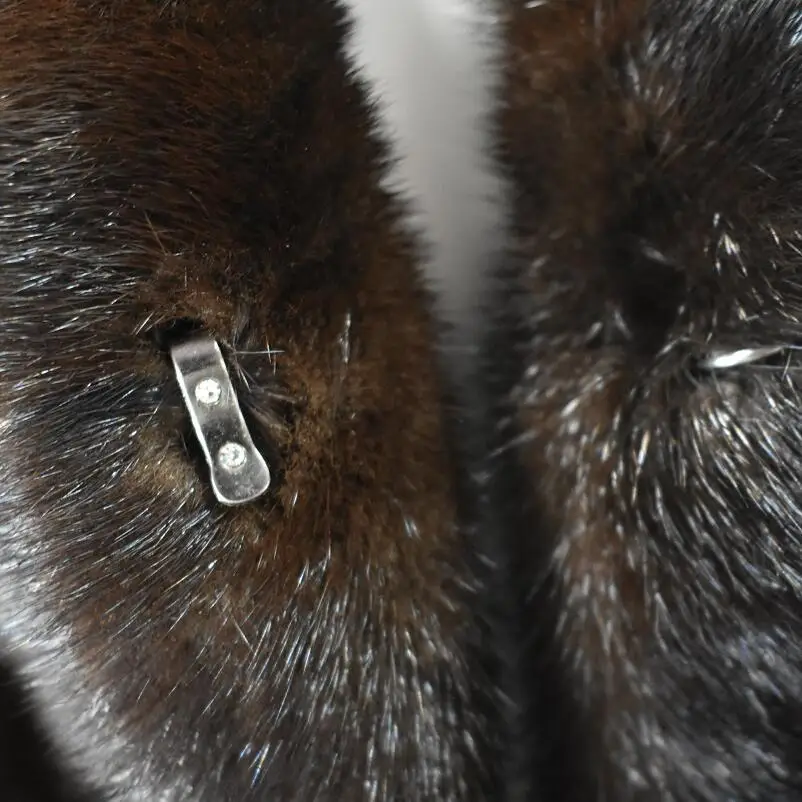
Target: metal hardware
x=238, y=471
x=720, y=360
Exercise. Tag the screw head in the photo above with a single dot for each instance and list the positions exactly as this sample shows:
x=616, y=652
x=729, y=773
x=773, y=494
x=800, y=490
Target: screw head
x=232, y=456
x=208, y=392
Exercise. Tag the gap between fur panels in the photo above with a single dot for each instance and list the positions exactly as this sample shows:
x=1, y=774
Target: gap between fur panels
x=428, y=63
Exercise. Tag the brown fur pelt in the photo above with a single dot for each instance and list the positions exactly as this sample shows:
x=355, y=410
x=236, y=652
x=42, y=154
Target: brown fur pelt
x=167, y=167
x=651, y=497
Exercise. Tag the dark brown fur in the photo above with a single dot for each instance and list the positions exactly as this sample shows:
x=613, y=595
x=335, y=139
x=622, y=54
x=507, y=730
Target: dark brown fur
x=654, y=150
x=167, y=166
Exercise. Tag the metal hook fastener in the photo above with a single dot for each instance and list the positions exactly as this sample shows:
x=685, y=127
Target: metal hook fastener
x=720, y=359
x=239, y=472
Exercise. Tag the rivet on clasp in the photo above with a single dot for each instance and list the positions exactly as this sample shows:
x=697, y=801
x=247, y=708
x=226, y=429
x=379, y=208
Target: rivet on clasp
x=238, y=471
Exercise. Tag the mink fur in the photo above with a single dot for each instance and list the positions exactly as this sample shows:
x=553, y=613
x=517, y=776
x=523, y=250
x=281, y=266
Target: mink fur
x=653, y=506
x=211, y=165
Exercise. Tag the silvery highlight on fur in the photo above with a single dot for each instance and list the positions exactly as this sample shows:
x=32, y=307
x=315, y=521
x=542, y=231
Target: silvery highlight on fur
x=199, y=165
x=649, y=485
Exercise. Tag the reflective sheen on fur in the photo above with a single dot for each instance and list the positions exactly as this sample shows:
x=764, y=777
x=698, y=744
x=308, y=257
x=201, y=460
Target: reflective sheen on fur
x=167, y=167
x=654, y=505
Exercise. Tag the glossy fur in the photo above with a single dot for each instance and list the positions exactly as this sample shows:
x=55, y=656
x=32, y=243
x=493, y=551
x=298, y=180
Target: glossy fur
x=201, y=164
x=654, y=151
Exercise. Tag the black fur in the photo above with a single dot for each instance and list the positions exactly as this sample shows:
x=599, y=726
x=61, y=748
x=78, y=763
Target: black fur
x=201, y=164
x=654, y=506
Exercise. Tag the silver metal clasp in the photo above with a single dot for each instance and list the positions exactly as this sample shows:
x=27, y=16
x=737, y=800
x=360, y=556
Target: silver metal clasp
x=721, y=359
x=238, y=471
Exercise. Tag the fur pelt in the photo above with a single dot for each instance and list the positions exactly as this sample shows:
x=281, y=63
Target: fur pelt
x=211, y=165
x=652, y=504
